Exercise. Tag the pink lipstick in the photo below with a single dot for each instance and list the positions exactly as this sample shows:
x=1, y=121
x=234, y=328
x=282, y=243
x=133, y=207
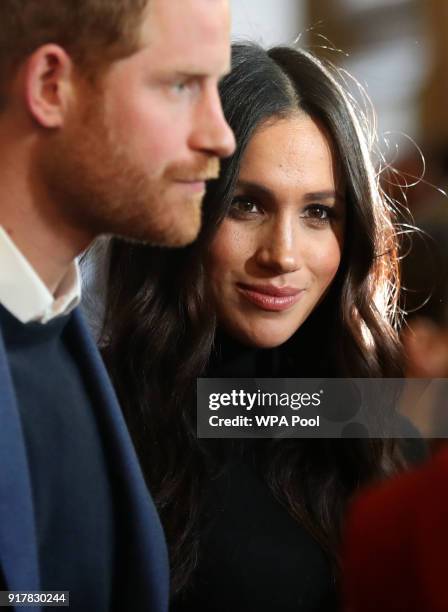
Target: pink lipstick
x=269, y=297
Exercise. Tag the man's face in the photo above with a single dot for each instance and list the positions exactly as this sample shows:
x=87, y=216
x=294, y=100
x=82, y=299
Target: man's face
x=133, y=156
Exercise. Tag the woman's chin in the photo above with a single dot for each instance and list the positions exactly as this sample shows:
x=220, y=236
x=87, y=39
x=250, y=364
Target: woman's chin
x=264, y=339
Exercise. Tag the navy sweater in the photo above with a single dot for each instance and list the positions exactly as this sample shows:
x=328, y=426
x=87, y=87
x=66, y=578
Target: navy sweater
x=74, y=499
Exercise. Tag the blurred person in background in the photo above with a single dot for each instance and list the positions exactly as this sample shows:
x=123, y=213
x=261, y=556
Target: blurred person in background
x=425, y=334
x=110, y=122
x=291, y=277
x=396, y=538
x=396, y=542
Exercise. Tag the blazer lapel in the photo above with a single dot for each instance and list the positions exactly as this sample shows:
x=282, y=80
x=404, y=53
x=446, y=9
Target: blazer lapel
x=18, y=547
x=146, y=542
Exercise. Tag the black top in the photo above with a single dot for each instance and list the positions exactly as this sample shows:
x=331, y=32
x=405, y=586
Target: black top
x=72, y=493
x=254, y=557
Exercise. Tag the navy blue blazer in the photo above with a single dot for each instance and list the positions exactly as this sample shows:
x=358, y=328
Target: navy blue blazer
x=18, y=548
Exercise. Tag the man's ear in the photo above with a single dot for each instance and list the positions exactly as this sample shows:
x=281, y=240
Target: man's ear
x=49, y=85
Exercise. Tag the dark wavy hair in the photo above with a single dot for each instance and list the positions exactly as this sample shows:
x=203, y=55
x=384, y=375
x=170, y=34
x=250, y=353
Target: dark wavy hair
x=160, y=325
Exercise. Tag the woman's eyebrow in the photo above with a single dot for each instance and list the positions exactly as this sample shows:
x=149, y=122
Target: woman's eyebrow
x=263, y=191
x=255, y=188
x=326, y=194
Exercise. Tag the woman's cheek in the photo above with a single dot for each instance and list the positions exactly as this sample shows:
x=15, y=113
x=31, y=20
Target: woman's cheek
x=325, y=258
x=229, y=250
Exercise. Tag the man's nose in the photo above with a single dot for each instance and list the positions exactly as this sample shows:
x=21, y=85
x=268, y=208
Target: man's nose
x=212, y=133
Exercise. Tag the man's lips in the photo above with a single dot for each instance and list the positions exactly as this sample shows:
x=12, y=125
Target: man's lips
x=193, y=184
x=270, y=297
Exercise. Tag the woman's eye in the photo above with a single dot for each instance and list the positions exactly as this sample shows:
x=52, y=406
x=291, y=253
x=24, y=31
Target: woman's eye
x=243, y=206
x=319, y=212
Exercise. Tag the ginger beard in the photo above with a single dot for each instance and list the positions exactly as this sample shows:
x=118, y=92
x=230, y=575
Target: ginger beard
x=102, y=187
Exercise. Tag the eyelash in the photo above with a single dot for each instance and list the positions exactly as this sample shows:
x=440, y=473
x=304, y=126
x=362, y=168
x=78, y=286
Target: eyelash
x=328, y=210
x=241, y=214
x=240, y=200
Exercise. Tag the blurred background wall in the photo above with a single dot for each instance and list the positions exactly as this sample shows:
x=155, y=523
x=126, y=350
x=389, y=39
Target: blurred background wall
x=268, y=22
x=388, y=45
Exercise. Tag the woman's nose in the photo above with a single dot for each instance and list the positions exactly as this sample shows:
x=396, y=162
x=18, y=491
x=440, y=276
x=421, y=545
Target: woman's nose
x=279, y=250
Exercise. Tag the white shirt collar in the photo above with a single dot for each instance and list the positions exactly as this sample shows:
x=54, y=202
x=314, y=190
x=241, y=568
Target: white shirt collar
x=24, y=294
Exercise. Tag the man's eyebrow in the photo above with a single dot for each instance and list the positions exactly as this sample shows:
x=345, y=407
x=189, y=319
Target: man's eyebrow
x=198, y=73
x=189, y=73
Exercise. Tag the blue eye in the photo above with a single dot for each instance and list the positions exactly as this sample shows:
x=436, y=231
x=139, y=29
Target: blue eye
x=180, y=86
x=189, y=86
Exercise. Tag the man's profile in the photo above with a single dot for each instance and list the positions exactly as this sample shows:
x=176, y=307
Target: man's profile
x=110, y=123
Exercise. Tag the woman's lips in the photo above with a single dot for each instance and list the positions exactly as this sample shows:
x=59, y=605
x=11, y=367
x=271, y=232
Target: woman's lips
x=267, y=297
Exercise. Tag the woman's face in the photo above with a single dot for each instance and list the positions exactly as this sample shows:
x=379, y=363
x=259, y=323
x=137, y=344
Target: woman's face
x=279, y=248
